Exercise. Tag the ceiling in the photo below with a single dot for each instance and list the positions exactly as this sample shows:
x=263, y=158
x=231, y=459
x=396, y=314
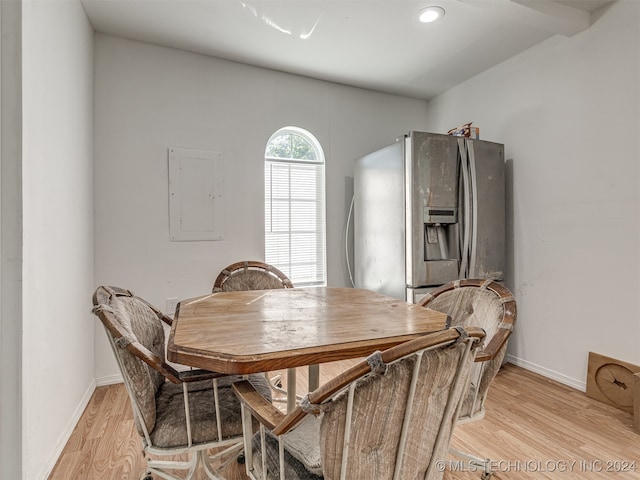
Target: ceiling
x=378, y=45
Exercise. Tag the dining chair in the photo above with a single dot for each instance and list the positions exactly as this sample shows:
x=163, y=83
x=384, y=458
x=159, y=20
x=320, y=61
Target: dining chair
x=390, y=416
x=175, y=412
x=254, y=275
x=489, y=305
x=250, y=275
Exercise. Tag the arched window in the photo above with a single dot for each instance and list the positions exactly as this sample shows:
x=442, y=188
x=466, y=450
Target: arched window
x=294, y=206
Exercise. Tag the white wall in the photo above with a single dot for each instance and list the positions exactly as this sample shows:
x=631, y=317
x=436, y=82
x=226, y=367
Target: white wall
x=150, y=98
x=58, y=373
x=567, y=111
x=10, y=240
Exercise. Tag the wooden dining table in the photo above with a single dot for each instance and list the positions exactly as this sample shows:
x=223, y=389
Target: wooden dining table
x=253, y=331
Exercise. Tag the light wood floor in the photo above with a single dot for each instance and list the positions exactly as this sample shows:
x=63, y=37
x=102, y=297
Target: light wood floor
x=534, y=428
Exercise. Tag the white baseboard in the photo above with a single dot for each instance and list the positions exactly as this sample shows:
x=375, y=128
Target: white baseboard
x=545, y=372
x=109, y=380
x=66, y=434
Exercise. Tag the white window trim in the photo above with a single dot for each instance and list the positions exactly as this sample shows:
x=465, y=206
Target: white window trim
x=288, y=267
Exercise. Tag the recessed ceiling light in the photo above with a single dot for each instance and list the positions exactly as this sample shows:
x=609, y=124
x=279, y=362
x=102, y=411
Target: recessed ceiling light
x=430, y=14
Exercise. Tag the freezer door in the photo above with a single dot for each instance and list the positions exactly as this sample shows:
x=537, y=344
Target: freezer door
x=488, y=239
x=432, y=219
x=378, y=226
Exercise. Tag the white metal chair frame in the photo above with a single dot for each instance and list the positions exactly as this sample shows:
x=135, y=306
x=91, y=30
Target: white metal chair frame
x=280, y=425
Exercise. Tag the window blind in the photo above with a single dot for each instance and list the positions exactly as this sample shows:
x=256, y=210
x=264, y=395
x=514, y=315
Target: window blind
x=295, y=219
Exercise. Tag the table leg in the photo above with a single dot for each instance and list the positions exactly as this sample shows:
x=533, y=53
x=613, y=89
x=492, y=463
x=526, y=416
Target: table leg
x=314, y=377
x=291, y=389
x=314, y=382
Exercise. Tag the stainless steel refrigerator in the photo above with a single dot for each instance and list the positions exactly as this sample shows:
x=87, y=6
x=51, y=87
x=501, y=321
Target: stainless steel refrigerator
x=428, y=209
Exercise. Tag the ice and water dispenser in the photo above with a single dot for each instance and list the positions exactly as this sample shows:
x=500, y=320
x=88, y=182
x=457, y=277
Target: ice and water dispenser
x=441, y=244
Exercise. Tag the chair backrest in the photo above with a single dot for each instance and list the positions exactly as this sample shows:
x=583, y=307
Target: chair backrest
x=395, y=422
x=486, y=304
x=134, y=328
x=250, y=275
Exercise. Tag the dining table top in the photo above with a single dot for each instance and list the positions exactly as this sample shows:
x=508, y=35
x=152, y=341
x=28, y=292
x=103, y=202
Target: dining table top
x=252, y=331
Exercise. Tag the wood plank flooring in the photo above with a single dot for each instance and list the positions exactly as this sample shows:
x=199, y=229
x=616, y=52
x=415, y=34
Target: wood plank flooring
x=534, y=428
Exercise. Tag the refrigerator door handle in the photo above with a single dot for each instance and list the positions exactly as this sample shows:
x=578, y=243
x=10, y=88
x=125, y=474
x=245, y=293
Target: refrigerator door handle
x=474, y=209
x=466, y=228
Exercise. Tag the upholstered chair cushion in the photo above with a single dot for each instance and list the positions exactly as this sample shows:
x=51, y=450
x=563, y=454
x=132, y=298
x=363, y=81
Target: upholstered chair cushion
x=250, y=275
x=170, y=430
x=251, y=280
x=143, y=326
x=294, y=469
x=471, y=306
x=302, y=444
x=482, y=308
x=302, y=452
